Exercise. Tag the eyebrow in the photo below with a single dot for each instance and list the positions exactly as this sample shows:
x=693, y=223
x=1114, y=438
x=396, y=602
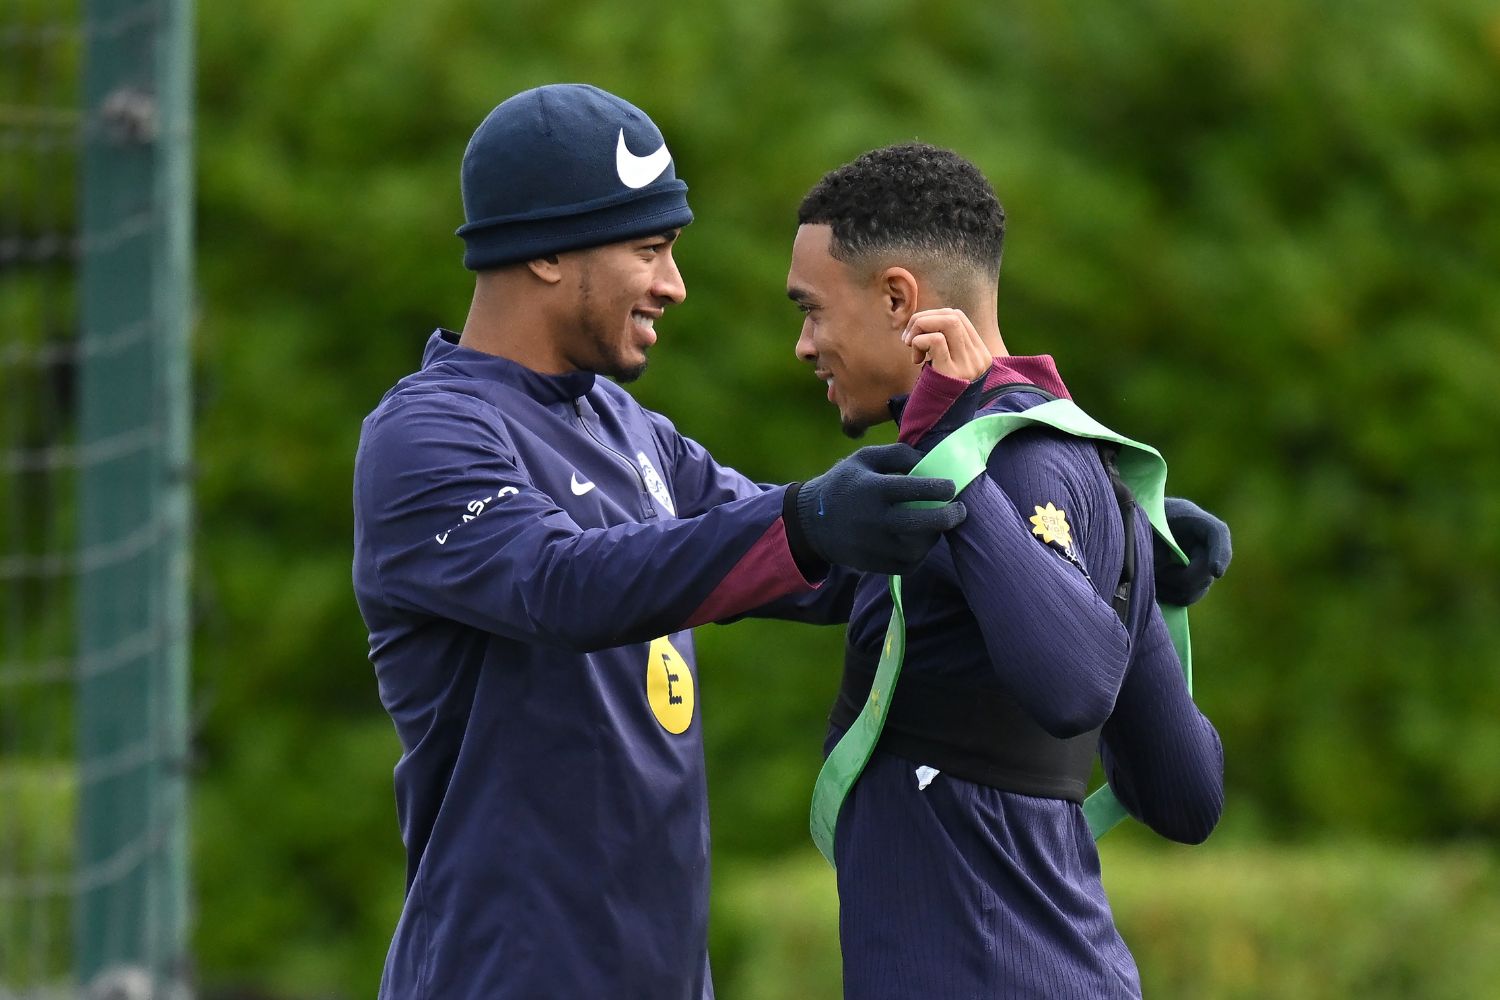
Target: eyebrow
x=798, y=294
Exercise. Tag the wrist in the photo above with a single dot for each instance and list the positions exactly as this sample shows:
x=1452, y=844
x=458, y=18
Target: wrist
x=796, y=508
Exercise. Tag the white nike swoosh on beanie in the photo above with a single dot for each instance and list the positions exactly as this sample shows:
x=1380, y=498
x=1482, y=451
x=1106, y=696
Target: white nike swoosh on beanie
x=638, y=171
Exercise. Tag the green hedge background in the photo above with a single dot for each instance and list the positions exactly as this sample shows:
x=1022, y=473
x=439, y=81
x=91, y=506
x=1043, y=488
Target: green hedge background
x=1261, y=236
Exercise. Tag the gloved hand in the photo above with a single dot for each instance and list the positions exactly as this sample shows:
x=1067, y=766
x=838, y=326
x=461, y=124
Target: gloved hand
x=852, y=513
x=1205, y=540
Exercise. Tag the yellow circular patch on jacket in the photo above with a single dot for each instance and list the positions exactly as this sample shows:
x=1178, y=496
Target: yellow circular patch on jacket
x=669, y=686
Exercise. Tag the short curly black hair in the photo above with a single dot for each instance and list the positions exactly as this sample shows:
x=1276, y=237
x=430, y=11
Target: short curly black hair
x=910, y=198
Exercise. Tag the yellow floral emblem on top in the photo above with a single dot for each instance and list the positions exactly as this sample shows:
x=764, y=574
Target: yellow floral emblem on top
x=1052, y=525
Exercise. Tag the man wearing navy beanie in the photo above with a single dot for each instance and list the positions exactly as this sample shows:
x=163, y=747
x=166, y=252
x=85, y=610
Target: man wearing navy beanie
x=563, y=167
x=532, y=551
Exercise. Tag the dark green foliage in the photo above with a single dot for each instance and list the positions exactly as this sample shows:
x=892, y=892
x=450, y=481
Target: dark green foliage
x=1262, y=238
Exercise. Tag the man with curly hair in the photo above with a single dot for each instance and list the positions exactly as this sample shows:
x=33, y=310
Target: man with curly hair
x=965, y=865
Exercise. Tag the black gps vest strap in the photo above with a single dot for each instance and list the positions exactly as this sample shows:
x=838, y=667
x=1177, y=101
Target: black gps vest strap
x=978, y=734
x=994, y=392
x=1109, y=454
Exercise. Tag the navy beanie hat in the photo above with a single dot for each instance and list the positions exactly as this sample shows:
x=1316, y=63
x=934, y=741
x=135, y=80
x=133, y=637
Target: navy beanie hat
x=564, y=167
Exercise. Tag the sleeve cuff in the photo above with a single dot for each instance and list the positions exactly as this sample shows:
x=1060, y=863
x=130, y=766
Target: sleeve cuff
x=931, y=399
x=809, y=563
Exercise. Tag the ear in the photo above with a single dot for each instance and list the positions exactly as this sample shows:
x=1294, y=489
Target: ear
x=898, y=289
x=548, y=268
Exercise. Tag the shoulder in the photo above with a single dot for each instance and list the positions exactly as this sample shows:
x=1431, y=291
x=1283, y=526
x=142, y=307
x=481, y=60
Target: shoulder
x=1041, y=467
x=431, y=413
x=1016, y=400
x=1037, y=443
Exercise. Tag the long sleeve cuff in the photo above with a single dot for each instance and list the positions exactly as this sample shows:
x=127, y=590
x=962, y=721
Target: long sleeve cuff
x=809, y=563
x=931, y=399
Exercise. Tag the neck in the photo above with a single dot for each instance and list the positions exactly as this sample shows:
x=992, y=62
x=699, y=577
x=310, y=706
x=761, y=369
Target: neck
x=505, y=321
x=988, y=326
x=979, y=305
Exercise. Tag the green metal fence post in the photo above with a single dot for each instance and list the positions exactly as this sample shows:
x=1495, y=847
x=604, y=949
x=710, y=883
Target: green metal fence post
x=176, y=296
x=135, y=280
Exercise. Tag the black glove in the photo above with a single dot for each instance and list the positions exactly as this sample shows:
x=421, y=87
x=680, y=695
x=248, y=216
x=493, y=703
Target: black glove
x=852, y=514
x=1204, y=539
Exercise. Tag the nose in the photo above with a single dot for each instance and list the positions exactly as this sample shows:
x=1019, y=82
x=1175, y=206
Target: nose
x=805, y=350
x=668, y=284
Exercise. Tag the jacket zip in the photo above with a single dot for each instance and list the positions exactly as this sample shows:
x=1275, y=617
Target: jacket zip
x=648, y=509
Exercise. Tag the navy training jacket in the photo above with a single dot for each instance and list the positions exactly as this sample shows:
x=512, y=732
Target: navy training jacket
x=953, y=888
x=530, y=554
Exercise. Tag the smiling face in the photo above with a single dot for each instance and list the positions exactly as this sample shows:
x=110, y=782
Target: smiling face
x=851, y=331
x=620, y=290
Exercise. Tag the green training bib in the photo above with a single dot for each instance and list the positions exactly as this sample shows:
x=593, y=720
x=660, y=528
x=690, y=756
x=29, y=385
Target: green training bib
x=963, y=457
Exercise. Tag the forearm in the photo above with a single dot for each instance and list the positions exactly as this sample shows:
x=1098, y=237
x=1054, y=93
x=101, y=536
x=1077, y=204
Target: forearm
x=1162, y=756
x=526, y=571
x=830, y=604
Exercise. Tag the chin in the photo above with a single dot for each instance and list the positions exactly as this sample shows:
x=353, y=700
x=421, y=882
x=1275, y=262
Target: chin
x=623, y=374
x=627, y=366
x=855, y=422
